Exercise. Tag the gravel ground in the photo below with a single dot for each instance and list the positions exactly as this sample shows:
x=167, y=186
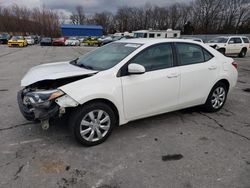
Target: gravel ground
x=183, y=149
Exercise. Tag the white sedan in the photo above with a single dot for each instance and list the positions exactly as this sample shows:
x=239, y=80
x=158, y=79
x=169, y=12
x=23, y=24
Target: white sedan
x=124, y=81
x=72, y=41
x=30, y=40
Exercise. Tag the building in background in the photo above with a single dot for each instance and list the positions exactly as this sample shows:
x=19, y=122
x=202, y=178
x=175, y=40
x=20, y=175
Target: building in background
x=157, y=33
x=81, y=30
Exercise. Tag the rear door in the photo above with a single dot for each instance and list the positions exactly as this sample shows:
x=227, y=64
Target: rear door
x=199, y=71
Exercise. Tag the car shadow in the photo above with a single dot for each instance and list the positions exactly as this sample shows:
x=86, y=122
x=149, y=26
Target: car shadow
x=59, y=130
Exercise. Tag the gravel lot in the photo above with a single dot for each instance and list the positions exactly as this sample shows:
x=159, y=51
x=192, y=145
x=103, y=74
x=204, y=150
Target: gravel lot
x=183, y=149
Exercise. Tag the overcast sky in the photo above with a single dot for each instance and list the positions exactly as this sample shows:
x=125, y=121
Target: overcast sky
x=90, y=6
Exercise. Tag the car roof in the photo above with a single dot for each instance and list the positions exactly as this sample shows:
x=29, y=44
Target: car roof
x=148, y=41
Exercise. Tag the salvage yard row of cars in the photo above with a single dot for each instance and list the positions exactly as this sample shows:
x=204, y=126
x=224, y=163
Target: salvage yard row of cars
x=227, y=45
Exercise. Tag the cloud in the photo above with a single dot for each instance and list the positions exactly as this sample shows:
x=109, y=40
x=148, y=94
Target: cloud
x=90, y=6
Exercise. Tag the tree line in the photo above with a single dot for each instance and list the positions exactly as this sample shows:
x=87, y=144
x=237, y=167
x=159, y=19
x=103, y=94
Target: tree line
x=22, y=20
x=196, y=17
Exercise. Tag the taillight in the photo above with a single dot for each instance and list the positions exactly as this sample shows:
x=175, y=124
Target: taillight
x=235, y=64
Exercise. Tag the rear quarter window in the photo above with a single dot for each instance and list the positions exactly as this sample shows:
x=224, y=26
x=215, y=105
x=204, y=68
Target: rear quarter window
x=246, y=40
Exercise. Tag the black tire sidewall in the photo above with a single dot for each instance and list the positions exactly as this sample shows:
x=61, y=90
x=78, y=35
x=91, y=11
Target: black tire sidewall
x=222, y=51
x=77, y=116
x=243, y=53
x=208, y=105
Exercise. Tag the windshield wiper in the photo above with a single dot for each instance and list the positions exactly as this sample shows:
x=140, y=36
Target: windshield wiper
x=74, y=62
x=85, y=66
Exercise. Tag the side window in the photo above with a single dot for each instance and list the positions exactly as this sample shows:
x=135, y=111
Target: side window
x=158, y=35
x=231, y=41
x=190, y=53
x=246, y=40
x=237, y=40
x=156, y=57
x=207, y=55
x=151, y=35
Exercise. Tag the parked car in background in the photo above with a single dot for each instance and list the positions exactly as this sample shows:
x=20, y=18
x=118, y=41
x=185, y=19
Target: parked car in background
x=72, y=41
x=110, y=39
x=124, y=81
x=194, y=39
x=36, y=38
x=30, y=40
x=4, y=38
x=17, y=41
x=91, y=41
x=231, y=45
x=59, y=41
x=46, y=41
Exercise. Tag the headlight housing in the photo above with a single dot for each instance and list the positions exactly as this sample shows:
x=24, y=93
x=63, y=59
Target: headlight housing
x=41, y=98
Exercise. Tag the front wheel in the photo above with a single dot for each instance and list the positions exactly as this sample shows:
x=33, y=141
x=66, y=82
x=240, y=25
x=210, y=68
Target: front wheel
x=222, y=50
x=216, y=98
x=92, y=123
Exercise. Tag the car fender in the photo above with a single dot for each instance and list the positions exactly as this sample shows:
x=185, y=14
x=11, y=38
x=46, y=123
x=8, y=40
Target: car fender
x=100, y=86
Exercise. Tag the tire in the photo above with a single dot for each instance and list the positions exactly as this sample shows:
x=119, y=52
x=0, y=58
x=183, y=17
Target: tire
x=222, y=50
x=85, y=119
x=217, y=98
x=243, y=53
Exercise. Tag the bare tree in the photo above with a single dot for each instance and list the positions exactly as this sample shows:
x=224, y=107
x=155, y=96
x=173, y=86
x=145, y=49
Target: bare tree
x=78, y=17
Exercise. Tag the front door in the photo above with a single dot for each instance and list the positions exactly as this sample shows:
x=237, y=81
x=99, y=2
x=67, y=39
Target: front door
x=157, y=90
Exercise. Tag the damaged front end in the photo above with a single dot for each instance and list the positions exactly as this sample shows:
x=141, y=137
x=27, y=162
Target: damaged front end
x=40, y=99
x=43, y=103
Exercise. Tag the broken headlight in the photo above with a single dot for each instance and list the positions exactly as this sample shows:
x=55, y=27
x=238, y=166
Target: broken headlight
x=41, y=99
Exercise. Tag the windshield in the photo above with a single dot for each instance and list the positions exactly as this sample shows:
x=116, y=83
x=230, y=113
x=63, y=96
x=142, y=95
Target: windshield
x=107, y=56
x=46, y=39
x=116, y=37
x=17, y=37
x=219, y=40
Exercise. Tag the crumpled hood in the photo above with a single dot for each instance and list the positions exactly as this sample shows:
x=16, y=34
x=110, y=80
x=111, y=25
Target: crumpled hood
x=53, y=71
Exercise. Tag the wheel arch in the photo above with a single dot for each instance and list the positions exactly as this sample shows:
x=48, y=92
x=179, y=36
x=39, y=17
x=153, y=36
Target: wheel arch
x=224, y=81
x=244, y=48
x=109, y=103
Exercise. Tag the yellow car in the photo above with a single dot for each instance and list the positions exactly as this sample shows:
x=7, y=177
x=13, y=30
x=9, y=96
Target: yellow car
x=17, y=41
x=91, y=41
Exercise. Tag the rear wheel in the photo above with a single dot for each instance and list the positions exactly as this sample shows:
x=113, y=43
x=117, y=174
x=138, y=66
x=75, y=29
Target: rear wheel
x=216, y=98
x=243, y=52
x=92, y=123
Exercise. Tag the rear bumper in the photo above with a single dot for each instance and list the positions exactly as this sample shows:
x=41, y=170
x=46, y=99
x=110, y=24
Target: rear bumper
x=32, y=113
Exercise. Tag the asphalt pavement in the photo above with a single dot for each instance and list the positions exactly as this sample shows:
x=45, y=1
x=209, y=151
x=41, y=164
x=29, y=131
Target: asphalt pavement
x=182, y=149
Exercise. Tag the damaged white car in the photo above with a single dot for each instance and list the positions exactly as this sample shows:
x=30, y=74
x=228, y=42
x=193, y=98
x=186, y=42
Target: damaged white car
x=125, y=81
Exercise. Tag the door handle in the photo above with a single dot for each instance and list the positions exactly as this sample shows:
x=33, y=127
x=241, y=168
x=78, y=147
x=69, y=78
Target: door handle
x=213, y=67
x=173, y=75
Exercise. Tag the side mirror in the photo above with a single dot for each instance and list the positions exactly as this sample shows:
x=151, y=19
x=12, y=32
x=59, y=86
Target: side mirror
x=134, y=68
x=231, y=42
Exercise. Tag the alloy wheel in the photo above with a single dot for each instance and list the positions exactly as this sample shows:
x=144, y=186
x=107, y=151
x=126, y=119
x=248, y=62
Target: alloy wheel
x=218, y=97
x=95, y=125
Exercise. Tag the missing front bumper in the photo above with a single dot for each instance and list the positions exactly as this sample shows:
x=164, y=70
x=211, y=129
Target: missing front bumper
x=36, y=113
